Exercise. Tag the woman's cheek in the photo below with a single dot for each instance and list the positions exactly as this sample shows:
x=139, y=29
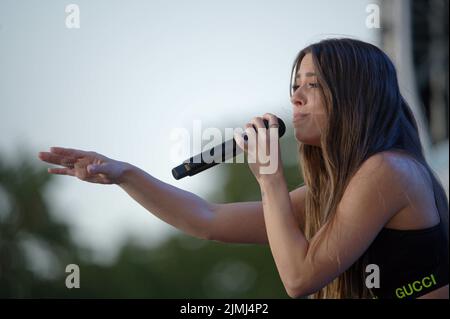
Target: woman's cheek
x=302, y=132
x=319, y=123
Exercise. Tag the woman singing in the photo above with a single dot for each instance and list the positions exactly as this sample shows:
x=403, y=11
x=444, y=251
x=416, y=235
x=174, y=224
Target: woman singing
x=370, y=208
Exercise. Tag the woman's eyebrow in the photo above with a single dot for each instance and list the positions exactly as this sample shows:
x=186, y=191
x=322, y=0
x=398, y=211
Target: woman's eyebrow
x=307, y=74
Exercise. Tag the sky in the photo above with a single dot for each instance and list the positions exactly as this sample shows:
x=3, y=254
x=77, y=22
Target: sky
x=133, y=72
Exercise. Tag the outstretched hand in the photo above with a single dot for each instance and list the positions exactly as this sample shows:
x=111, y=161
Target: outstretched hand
x=87, y=166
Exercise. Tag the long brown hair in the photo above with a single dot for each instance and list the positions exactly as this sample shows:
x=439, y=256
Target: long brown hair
x=366, y=114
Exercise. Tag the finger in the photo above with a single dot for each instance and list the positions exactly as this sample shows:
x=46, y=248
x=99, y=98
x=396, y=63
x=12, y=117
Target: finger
x=272, y=119
x=258, y=123
x=250, y=131
x=56, y=159
x=251, y=139
x=49, y=157
x=61, y=171
x=240, y=142
x=68, y=152
x=273, y=123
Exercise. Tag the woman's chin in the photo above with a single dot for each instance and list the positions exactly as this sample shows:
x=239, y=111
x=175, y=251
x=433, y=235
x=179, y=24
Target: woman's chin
x=301, y=138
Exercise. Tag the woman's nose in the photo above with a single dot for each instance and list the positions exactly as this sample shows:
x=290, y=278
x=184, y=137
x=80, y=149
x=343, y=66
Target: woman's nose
x=298, y=99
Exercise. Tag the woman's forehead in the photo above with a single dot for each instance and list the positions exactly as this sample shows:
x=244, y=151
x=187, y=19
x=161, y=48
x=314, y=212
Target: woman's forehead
x=306, y=67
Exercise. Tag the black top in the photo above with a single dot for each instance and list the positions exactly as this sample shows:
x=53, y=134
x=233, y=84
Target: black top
x=411, y=262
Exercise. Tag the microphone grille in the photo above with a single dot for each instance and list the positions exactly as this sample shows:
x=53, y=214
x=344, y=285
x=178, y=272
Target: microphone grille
x=281, y=127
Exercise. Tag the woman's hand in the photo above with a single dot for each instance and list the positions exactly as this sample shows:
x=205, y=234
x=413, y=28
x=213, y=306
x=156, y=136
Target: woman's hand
x=87, y=166
x=262, y=147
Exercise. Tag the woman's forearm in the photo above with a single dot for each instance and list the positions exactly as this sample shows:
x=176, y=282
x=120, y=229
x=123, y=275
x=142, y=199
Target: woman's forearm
x=181, y=209
x=287, y=243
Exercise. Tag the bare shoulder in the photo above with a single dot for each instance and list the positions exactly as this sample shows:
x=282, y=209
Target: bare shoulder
x=376, y=191
x=395, y=170
x=385, y=170
x=406, y=182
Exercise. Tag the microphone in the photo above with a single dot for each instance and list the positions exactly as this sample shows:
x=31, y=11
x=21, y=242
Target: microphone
x=197, y=163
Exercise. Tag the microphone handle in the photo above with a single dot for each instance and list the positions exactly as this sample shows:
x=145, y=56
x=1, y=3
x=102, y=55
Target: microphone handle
x=197, y=163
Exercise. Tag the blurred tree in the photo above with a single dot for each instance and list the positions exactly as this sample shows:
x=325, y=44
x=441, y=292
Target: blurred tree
x=27, y=230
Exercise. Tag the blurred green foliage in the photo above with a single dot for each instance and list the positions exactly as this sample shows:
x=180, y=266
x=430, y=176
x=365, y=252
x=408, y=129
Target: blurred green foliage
x=180, y=267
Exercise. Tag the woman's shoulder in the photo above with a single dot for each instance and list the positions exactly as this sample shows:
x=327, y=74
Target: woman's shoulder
x=412, y=180
x=401, y=166
x=390, y=168
x=383, y=181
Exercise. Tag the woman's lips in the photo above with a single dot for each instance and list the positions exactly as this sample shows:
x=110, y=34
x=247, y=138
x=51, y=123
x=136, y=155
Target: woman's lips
x=299, y=117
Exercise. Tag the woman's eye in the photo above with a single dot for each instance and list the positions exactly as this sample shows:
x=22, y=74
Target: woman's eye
x=309, y=85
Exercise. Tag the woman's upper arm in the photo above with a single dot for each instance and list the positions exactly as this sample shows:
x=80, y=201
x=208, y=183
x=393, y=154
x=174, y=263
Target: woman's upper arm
x=243, y=222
